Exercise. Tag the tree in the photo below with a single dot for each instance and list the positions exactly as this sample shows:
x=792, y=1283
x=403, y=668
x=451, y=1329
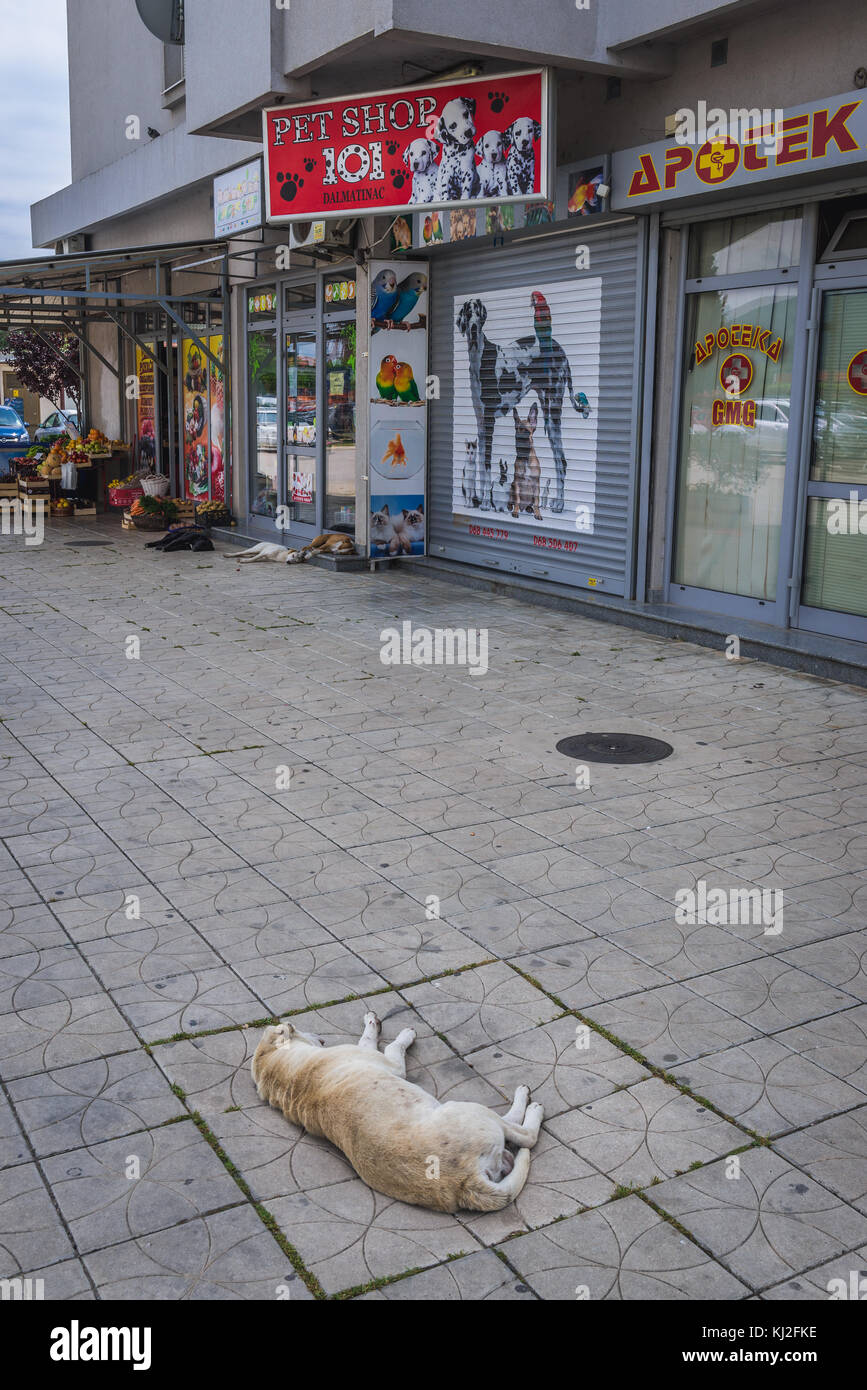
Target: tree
x=47, y=364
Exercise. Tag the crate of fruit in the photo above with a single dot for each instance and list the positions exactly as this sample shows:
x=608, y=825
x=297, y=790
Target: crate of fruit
x=213, y=514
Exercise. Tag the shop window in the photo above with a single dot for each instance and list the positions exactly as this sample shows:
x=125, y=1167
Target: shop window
x=734, y=245
x=340, y=427
x=300, y=297
x=835, y=567
x=262, y=376
x=734, y=438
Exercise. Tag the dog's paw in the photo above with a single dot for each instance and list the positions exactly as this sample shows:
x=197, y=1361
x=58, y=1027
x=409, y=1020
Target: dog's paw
x=406, y=1037
x=535, y=1114
x=371, y=1021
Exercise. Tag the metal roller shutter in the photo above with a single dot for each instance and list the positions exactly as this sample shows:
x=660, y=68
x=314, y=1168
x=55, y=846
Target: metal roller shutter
x=593, y=322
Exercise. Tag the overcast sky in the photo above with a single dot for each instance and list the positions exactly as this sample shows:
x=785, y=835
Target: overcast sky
x=34, y=115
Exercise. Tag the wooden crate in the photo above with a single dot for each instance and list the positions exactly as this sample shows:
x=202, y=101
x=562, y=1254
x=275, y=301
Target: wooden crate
x=9, y=489
x=186, y=511
x=86, y=511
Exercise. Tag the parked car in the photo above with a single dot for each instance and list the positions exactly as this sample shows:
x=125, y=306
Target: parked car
x=61, y=422
x=13, y=430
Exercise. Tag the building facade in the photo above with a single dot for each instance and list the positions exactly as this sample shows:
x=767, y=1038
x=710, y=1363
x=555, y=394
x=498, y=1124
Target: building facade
x=694, y=283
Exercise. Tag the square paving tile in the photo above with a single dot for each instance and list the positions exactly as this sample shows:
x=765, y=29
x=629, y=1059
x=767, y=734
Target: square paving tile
x=840, y=1279
x=670, y=1024
x=104, y=1202
x=769, y=995
x=589, y=972
x=841, y=962
x=31, y=1232
x=348, y=1235
x=93, y=1101
x=474, y=1278
x=837, y=1043
x=652, y=1130
x=59, y=1034
x=768, y=1223
x=515, y=927
x=224, y=1256
x=13, y=1146
x=767, y=1086
x=480, y=1006
x=834, y=1153
x=620, y=1251
x=564, y=1063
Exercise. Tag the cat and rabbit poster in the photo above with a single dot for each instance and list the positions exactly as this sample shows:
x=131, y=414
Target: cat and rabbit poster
x=398, y=409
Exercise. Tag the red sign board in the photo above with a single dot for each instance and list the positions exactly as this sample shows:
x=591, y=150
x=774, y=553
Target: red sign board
x=477, y=140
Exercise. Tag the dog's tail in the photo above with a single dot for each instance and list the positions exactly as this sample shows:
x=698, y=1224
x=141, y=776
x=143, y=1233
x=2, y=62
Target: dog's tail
x=484, y=1195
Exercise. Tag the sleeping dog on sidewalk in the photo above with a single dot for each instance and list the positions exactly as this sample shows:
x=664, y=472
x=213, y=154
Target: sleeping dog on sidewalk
x=400, y=1140
x=328, y=544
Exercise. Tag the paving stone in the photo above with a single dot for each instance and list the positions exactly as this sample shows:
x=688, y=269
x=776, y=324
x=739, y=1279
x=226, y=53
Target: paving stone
x=224, y=1256
x=94, y=1101
x=670, y=1024
x=769, y=995
x=841, y=962
x=620, y=1251
x=59, y=1034
x=649, y=1131
x=13, y=1147
x=767, y=1086
x=404, y=954
x=480, y=1006
x=588, y=972
x=31, y=927
x=515, y=927
x=771, y=1222
x=839, y=1279
x=474, y=1278
x=348, y=1235
x=65, y=1282
x=31, y=1232
x=834, y=1153
x=564, y=1063
x=104, y=1203
x=187, y=1003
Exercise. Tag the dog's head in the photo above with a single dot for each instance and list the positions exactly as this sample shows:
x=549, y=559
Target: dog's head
x=419, y=155
x=275, y=1038
x=457, y=126
x=523, y=133
x=471, y=321
x=491, y=147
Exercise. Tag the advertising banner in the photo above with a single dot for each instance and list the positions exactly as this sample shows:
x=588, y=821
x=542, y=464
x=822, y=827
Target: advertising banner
x=398, y=407
x=146, y=408
x=472, y=141
x=238, y=202
x=217, y=421
x=526, y=392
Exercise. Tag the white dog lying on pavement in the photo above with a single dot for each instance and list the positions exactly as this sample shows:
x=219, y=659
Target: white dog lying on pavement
x=400, y=1140
x=265, y=550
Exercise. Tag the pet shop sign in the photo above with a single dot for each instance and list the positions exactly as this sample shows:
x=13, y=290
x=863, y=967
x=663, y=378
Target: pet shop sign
x=477, y=140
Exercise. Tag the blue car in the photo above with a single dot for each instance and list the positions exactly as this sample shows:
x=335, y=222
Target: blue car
x=13, y=431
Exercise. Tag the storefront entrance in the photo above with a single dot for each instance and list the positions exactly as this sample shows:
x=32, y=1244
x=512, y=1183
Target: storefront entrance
x=771, y=465
x=301, y=363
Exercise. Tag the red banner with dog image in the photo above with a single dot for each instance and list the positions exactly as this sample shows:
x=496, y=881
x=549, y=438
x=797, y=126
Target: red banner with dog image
x=474, y=140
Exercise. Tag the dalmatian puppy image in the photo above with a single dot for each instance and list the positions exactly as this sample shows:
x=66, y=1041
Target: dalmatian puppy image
x=458, y=176
x=493, y=173
x=521, y=163
x=420, y=158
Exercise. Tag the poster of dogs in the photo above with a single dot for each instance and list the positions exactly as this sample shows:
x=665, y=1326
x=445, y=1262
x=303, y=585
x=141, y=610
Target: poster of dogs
x=398, y=407
x=526, y=393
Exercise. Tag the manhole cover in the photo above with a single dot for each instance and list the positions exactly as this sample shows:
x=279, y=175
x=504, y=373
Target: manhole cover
x=614, y=748
x=79, y=544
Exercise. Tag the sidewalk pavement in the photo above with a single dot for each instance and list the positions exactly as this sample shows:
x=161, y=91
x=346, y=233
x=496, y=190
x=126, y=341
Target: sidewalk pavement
x=245, y=814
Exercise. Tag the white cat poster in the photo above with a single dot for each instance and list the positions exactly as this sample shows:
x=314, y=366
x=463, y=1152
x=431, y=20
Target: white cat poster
x=526, y=388
x=398, y=408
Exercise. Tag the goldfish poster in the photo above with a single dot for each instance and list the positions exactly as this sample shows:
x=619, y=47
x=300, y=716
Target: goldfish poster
x=398, y=407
